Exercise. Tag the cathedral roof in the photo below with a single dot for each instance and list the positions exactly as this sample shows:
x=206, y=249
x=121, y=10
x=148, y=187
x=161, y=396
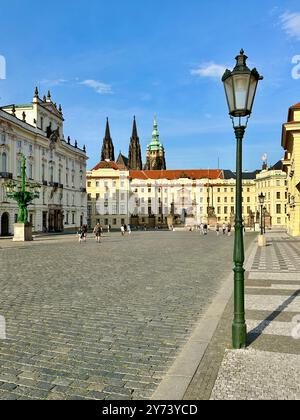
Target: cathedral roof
x=178, y=174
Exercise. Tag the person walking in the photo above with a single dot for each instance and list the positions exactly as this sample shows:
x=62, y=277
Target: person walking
x=97, y=233
x=202, y=229
x=218, y=229
x=224, y=229
x=85, y=231
x=229, y=230
x=123, y=230
x=81, y=234
x=205, y=229
x=129, y=229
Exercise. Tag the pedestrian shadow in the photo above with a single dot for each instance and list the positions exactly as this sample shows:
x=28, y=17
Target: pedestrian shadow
x=253, y=335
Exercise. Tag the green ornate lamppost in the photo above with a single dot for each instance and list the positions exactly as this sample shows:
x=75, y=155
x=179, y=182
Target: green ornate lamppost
x=23, y=197
x=240, y=88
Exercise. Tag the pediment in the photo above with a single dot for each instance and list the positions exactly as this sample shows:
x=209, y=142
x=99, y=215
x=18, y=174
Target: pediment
x=49, y=106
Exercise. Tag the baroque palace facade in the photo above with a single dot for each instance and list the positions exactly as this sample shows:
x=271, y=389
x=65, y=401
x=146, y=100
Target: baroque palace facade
x=36, y=131
x=291, y=164
x=123, y=191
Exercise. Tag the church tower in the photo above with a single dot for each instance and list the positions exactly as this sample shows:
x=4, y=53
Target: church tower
x=155, y=152
x=108, y=151
x=135, y=154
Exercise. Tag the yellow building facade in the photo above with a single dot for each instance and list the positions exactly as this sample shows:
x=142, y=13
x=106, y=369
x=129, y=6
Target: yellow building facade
x=118, y=196
x=291, y=163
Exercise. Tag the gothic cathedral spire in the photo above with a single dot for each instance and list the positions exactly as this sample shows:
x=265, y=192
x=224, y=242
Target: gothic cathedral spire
x=135, y=154
x=108, y=151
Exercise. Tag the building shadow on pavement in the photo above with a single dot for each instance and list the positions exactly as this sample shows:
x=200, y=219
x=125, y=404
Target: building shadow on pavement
x=253, y=335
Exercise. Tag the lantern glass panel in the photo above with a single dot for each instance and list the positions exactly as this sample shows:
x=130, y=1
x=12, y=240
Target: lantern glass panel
x=228, y=84
x=241, y=88
x=252, y=91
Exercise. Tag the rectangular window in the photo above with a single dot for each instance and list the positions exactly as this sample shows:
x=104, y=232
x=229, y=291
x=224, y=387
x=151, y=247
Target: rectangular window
x=19, y=166
x=278, y=208
x=73, y=218
x=278, y=196
x=114, y=222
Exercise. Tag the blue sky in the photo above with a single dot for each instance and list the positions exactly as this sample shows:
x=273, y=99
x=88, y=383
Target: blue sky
x=127, y=57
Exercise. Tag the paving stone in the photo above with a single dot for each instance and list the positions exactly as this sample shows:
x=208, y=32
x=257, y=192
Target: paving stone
x=122, y=318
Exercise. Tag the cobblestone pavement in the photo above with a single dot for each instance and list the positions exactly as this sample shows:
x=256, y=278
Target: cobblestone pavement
x=102, y=321
x=270, y=367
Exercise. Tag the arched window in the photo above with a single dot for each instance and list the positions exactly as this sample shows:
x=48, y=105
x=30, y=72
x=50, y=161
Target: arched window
x=4, y=162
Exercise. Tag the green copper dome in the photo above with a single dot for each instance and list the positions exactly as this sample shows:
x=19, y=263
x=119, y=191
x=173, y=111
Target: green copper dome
x=155, y=145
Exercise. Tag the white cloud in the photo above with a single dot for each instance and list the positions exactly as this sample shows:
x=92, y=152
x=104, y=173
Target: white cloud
x=54, y=82
x=99, y=87
x=211, y=70
x=291, y=24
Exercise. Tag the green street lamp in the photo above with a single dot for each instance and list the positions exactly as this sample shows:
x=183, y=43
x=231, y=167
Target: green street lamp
x=240, y=87
x=261, y=199
x=23, y=194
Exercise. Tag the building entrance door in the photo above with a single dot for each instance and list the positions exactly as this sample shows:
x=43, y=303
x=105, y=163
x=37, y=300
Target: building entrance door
x=45, y=215
x=55, y=219
x=5, y=224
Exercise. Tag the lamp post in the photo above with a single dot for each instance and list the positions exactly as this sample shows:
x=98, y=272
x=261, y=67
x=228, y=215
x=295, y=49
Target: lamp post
x=240, y=87
x=261, y=199
x=265, y=212
x=24, y=194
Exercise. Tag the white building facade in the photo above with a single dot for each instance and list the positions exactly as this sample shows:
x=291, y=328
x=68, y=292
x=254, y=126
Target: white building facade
x=36, y=131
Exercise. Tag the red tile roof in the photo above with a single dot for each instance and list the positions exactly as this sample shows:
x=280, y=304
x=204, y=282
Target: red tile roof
x=106, y=165
x=291, y=109
x=296, y=105
x=177, y=174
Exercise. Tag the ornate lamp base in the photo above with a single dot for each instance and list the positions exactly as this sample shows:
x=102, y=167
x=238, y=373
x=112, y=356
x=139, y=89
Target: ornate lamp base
x=22, y=232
